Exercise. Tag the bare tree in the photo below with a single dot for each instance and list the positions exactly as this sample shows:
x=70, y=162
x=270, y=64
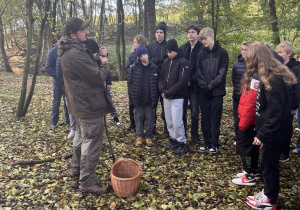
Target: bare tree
x=30, y=20
x=149, y=19
x=2, y=43
x=274, y=22
x=120, y=38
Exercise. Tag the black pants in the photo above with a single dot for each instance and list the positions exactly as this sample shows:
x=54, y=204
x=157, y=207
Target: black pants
x=286, y=146
x=211, y=113
x=131, y=115
x=236, y=118
x=270, y=171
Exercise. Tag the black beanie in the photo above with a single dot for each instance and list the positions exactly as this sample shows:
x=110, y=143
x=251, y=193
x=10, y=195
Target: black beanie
x=162, y=26
x=172, y=45
x=140, y=50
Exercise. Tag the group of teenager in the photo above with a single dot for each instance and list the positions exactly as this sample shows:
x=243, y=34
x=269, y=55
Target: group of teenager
x=265, y=97
x=266, y=94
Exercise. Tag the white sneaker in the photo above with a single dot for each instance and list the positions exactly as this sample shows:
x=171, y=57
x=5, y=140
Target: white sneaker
x=296, y=151
x=244, y=180
x=71, y=134
x=240, y=175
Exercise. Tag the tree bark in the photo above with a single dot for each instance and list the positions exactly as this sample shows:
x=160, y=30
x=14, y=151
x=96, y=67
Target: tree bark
x=37, y=65
x=3, y=51
x=84, y=9
x=274, y=22
x=120, y=38
x=149, y=19
x=30, y=21
x=102, y=16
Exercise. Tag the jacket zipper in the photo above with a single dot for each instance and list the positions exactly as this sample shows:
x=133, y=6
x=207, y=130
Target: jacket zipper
x=169, y=71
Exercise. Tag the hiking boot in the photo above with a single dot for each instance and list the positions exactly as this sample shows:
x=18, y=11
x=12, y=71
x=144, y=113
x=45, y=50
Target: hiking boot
x=213, y=150
x=138, y=141
x=262, y=202
x=284, y=158
x=196, y=140
x=96, y=189
x=203, y=149
x=149, y=142
x=173, y=144
x=181, y=149
x=246, y=179
x=71, y=135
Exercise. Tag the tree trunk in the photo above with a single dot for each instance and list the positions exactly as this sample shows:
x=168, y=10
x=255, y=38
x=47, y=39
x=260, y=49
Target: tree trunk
x=84, y=9
x=53, y=17
x=149, y=19
x=37, y=64
x=3, y=52
x=71, y=8
x=140, y=20
x=102, y=16
x=27, y=61
x=274, y=22
x=120, y=37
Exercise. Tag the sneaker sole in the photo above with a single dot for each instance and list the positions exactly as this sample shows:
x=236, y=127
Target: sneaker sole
x=249, y=204
x=284, y=161
x=244, y=184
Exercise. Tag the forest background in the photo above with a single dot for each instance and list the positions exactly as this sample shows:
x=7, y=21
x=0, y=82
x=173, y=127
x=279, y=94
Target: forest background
x=26, y=35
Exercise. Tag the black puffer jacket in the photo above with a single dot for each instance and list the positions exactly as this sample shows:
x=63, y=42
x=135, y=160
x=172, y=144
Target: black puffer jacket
x=157, y=52
x=192, y=58
x=174, y=77
x=212, y=66
x=237, y=73
x=295, y=89
x=134, y=82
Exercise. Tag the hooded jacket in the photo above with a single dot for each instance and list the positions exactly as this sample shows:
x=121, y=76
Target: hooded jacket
x=83, y=79
x=191, y=55
x=295, y=89
x=237, y=73
x=273, y=113
x=212, y=66
x=174, y=77
x=134, y=82
x=157, y=52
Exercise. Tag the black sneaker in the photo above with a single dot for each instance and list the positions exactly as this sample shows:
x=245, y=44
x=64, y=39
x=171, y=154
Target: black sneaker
x=131, y=127
x=181, y=149
x=203, y=149
x=284, y=158
x=173, y=144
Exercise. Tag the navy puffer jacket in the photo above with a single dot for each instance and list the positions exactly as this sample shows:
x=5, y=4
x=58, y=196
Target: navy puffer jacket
x=237, y=74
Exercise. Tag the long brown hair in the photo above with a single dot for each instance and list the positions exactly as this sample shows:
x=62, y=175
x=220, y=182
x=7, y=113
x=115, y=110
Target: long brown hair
x=260, y=60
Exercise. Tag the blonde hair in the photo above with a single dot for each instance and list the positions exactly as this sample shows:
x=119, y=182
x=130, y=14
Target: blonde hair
x=286, y=46
x=247, y=43
x=141, y=40
x=206, y=32
x=260, y=60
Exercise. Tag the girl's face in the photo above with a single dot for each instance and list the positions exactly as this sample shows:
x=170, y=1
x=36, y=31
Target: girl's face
x=135, y=44
x=244, y=50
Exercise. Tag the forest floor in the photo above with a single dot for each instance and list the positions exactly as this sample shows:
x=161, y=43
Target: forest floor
x=192, y=181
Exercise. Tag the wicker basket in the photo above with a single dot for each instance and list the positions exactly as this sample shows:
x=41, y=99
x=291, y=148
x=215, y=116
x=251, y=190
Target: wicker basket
x=125, y=177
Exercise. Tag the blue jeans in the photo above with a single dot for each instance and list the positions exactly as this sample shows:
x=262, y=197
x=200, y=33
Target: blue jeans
x=57, y=95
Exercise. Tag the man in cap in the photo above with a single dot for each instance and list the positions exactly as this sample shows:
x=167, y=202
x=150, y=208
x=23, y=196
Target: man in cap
x=87, y=101
x=157, y=53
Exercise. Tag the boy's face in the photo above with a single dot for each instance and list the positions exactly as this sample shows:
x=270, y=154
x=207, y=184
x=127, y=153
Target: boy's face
x=285, y=56
x=192, y=35
x=144, y=58
x=244, y=50
x=171, y=54
x=207, y=40
x=159, y=35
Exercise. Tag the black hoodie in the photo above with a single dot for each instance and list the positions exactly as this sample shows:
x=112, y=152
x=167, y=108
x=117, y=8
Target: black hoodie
x=295, y=93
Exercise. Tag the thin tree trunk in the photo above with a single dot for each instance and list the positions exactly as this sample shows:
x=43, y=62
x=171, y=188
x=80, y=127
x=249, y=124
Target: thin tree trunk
x=71, y=8
x=53, y=14
x=3, y=51
x=27, y=61
x=102, y=16
x=84, y=9
x=37, y=64
x=151, y=20
x=145, y=20
x=118, y=40
x=274, y=22
x=123, y=74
